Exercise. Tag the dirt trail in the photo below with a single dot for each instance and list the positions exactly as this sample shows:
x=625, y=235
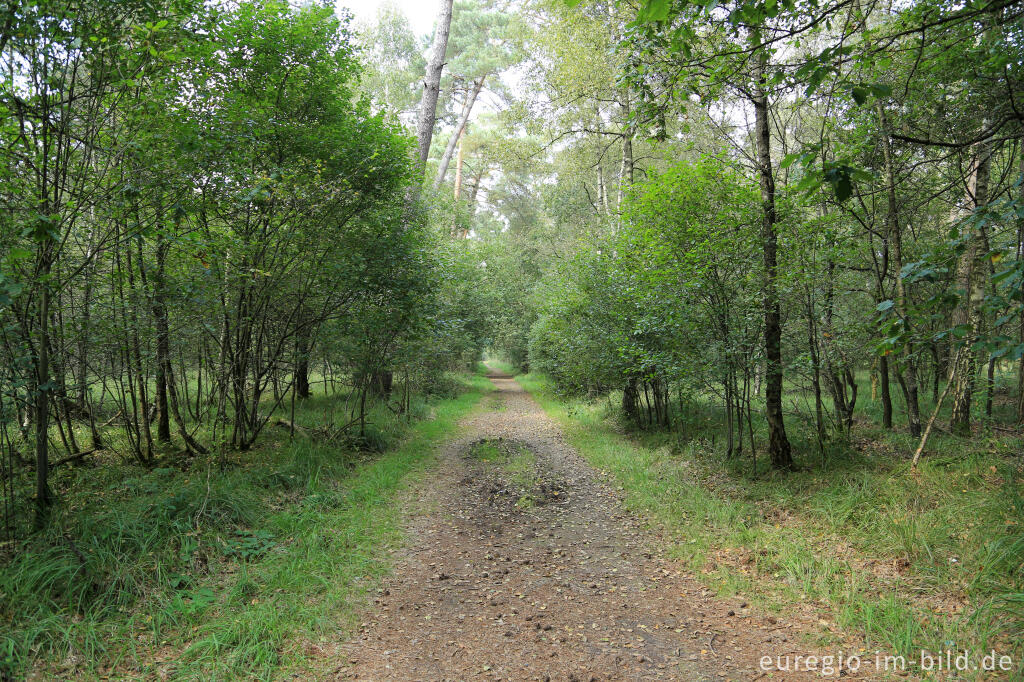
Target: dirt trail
x=520, y=573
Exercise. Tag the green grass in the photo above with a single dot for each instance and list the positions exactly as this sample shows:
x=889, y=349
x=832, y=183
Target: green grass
x=516, y=462
x=213, y=570
x=487, y=451
x=523, y=474
x=907, y=560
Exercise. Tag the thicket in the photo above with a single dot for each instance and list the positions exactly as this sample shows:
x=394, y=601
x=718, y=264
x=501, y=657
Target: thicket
x=203, y=221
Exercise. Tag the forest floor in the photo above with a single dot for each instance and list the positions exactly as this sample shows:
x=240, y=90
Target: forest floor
x=522, y=564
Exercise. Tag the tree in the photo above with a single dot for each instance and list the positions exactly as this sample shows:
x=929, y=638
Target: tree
x=70, y=75
x=482, y=45
x=427, y=113
x=392, y=62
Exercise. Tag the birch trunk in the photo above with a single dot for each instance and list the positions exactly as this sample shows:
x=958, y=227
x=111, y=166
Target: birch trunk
x=778, y=443
x=971, y=279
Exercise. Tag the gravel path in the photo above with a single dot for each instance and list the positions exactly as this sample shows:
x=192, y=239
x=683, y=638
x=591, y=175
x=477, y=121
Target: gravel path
x=543, y=576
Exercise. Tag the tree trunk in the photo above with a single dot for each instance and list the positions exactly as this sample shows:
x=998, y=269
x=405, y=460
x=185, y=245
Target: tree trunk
x=467, y=107
x=627, y=171
x=163, y=343
x=935, y=412
x=602, y=195
x=630, y=397
x=42, y=387
x=85, y=328
x=971, y=279
x=885, y=393
x=628, y=165
x=837, y=370
x=136, y=350
x=432, y=83
x=727, y=389
x=1020, y=255
x=1020, y=383
x=381, y=382
x=778, y=443
x=907, y=368
x=477, y=179
x=812, y=348
x=457, y=190
x=990, y=387
x=84, y=399
x=302, y=350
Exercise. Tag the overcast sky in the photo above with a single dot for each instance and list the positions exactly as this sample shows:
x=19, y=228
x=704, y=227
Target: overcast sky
x=421, y=13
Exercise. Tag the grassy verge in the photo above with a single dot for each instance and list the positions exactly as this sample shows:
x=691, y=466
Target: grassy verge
x=211, y=569
x=910, y=561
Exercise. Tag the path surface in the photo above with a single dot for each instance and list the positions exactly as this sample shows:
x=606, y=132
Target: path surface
x=561, y=587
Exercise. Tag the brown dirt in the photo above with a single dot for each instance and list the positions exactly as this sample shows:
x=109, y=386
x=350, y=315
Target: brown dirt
x=549, y=580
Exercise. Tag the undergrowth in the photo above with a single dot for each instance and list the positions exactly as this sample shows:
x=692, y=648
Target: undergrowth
x=214, y=568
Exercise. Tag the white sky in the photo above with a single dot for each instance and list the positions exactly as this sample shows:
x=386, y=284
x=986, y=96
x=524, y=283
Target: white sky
x=421, y=13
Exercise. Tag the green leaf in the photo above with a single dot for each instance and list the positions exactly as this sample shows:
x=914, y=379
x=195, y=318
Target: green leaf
x=1003, y=319
x=843, y=187
x=655, y=10
x=881, y=90
x=18, y=253
x=1003, y=274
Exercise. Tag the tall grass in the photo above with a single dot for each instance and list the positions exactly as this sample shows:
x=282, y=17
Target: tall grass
x=214, y=568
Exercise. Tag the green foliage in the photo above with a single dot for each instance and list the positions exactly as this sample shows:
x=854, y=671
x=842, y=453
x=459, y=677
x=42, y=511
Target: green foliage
x=211, y=232
x=1003, y=302
x=246, y=544
x=393, y=62
x=677, y=271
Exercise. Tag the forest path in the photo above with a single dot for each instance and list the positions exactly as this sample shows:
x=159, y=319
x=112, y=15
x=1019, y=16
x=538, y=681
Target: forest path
x=522, y=565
